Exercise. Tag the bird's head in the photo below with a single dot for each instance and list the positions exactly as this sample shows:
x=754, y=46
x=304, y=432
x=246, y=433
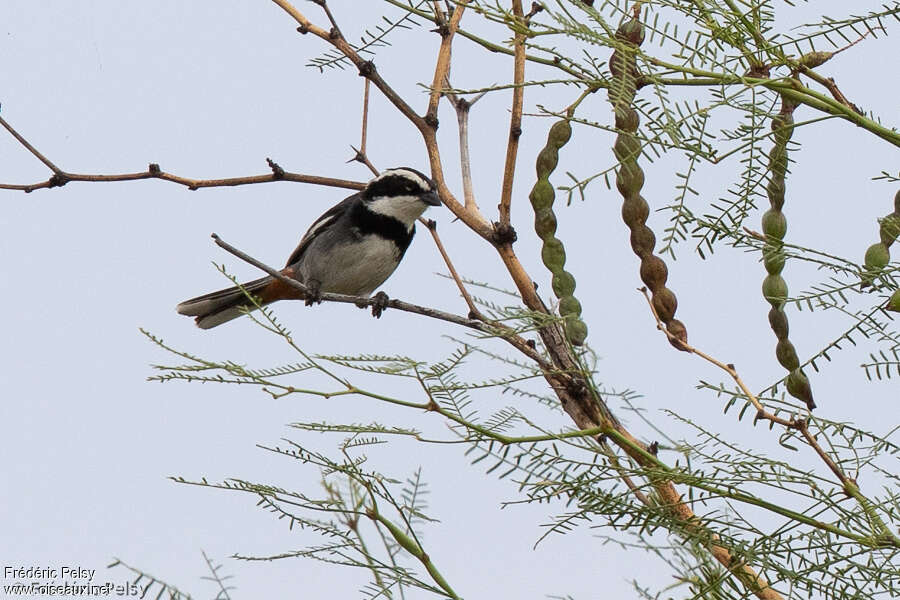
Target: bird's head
x=402, y=193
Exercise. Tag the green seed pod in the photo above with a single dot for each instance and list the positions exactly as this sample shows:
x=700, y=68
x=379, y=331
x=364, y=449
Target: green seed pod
x=894, y=302
x=576, y=331
x=815, y=59
x=569, y=305
x=559, y=134
x=779, y=322
x=787, y=355
x=775, y=190
x=877, y=256
x=542, y=195
x=563, y=284
x=889, y=229
x=774, y=224
x=798, y=387
x=544, y=223
x=553, y=253
x=773, y=259
x=775, y=290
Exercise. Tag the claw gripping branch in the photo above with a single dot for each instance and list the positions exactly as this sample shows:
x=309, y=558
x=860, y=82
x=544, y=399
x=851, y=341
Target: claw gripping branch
x=630, y=177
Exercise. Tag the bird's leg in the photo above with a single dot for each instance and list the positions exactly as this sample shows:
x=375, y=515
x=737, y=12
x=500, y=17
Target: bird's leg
x=315, y=292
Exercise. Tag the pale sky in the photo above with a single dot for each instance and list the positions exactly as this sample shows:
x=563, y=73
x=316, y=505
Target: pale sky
x=210, y=89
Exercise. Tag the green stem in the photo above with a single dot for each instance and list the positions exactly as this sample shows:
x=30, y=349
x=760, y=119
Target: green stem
x=410, y=545
x=677, y=476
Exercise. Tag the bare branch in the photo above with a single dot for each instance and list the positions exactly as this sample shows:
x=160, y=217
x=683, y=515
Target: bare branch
x=462, y=107
x=56, y=170
x=515, y=121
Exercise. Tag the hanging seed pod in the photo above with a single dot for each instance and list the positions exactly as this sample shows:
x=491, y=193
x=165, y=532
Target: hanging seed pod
x=774, y=226
x=553, y=253
x=879, y=255
x=630, y=176
x=894, y=302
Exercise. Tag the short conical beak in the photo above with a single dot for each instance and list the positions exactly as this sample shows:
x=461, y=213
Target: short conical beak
x=431, y=198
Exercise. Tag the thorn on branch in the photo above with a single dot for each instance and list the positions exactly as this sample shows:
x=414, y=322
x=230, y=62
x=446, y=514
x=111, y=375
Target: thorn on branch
x=431, y=121
x=303, y=29
x=531, y=344
x=154, y=170
x=431, y=224
x=277, y=171
x=366, y=68
x=441, y=29
x=334, y=34
x=653, y=448
x=505, y=234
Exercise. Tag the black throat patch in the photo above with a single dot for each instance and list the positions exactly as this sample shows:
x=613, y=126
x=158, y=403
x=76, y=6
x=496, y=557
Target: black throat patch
x=368, y=222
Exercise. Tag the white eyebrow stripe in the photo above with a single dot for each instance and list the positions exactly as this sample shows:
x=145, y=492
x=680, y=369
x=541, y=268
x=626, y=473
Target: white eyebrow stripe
x=424, y=185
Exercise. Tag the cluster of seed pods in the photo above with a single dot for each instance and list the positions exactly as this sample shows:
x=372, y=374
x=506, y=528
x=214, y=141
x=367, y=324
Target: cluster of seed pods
x=630, y=177
x=553, y=253
x=879, y=255
x=774, y=226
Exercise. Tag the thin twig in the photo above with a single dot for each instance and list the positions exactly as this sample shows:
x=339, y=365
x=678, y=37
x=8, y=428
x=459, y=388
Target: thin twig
x=154, y=172
x=800, y=424
x=367, y=69
x=462, y=107
x=31, y=148
x=442, y=65
x=365, y=117
x=474, y=313
x=361, y=155
x=515, y=121
x=761, y=412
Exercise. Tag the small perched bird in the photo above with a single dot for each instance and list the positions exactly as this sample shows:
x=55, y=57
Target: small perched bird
x=351, y=249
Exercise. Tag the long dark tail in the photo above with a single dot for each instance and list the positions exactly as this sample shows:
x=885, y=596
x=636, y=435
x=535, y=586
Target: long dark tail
x=222, y=306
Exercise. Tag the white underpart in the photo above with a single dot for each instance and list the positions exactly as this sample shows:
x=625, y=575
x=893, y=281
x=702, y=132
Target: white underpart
x=405, y=209
x=423, y=185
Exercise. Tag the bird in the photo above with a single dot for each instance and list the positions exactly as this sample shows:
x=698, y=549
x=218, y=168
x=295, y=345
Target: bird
x=351, y=249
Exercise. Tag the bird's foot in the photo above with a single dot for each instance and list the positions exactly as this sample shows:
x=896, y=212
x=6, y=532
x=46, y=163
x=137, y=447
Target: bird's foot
x=379, y=303
x=315, y=292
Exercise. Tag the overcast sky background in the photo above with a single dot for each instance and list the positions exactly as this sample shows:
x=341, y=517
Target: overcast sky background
x=210, y=89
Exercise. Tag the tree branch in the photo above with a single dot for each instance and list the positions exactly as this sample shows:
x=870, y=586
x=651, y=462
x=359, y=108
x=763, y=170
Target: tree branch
x=515, y=120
